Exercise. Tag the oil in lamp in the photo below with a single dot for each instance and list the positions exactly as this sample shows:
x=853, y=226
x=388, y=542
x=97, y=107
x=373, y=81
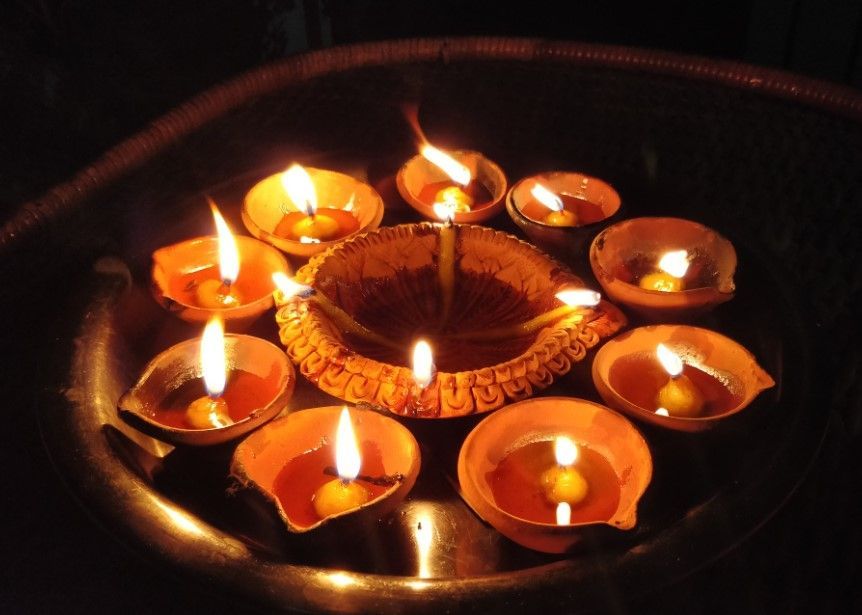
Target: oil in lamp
x=680, y=396
x=672, y=268
x=211, y=410
x=558, y=214
x=343, y=493
x=453, y=195
x=307, y=224
x=217, y=294
x=564, y=484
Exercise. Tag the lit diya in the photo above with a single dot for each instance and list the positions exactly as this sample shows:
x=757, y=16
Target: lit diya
x=562, y=211
x=303, y=211
x=471, y=184
x=329, y=463
x=664, y=268
x=679, y=377
x=543, y=471
x=517, y=320
x=225, y=275
x=211, y=390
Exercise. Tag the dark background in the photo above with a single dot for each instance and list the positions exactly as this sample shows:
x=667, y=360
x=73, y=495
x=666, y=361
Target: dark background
x=77, y=77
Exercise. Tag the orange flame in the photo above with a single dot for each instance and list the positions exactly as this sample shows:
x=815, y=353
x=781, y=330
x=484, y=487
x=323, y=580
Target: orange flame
x=547, y=198
x=456, y=171
x=212, y=355
x=423, y=364
x=565, y=451
x=579, y=297
x=228, y=254
x=564, y=513
x=670, y=361
x=674, y=263
x=300, y=189
x=347, y=458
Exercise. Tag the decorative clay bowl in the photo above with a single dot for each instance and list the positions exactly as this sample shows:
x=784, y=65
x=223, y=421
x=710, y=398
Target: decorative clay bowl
x=627, y=376
x=387, y=281
x=587, y=424
x=595, y=201
x=418, y=172
x=623, y=251
x=267, y=203
x=272, y=378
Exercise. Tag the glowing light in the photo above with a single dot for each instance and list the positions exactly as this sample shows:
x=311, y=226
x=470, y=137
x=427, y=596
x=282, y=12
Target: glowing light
x=674, y=263
x=456, y=171
x=228, y=254
x=424, y=534
x=547, y=198
x=669, y=360
x=662, y=412
x=212, y=356
x=341, y=579
x=565, y=451
x=350, y=203
x=289, y=287
x=579, y=297
x=564, y=513
x=423, y=364
x=300, y=189
x=307, y=239
x=445, y=211
x=347, y=458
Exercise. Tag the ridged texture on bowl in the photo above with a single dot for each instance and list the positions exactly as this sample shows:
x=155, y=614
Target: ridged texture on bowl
x=346, y=272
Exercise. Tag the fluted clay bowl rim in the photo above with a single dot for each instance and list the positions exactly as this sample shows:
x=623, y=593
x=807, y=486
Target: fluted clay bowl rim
x=186, y=353
x=378, y=507
x=372, y=208
x=659, y=305
x=479, y=214
x=188, y=312
x=535, y=415
x=308, y=337
x=524, y=221
x=751, y=376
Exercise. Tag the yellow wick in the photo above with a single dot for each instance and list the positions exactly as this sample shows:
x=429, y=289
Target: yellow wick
x=564, y=484
x=317, y=226
x=345, y=323
x=338, y=496
x=207, y=413
x=561, y=218
x=214, y=295
x=661, y=281
x=520, y=329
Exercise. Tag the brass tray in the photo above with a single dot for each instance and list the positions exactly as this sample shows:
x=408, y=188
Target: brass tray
x=709, y=491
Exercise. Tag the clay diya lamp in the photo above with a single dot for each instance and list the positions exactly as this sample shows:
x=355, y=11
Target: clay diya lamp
x=210, y=390
x=510, y=329
x=468, y=181
x=679, y=377
x=225, y=275
x=664, y=268
x=329, y=465
x=561, y=212
x=303, y=211
x=545, y=471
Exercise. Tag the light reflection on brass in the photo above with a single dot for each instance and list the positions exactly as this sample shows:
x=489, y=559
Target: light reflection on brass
x=180, y=518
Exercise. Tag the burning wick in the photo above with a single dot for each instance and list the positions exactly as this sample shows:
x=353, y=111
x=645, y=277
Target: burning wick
x=679, y=397
x=662, y=412
x=564, y=513
x=672, y=269
x=423, y=364
x=343, y=493
x=455, y=196
x=563, y=483
x=219, y=294
x=300, y=189
x=559, y=215
x=211, y=411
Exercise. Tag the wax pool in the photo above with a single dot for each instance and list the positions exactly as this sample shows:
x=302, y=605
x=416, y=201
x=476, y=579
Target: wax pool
x=244, y=393
x=476, y=190
x=585, y=212
x=302, y=476
x=516, y=484
x=330, y=224
x=639, y=377
x=252, y=284
x=701, y=271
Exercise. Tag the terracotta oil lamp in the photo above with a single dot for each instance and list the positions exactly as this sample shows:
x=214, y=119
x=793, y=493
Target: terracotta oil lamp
x=679, y=377
x=664, y=268
x=210, y=390
x=517, y=320
x=303, y=211
x=561, y=212
x=225, y=275
x=329, y=465
x=470, y=183
x=545, y=471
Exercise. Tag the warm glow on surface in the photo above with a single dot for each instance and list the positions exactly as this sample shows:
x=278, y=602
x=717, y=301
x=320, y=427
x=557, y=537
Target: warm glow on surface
x=350, y=203
x=341, y=579
x=457, y=172
x=213, y=362
x=445, y=211
x=307, y=239
x=547, y=198
x=674, y=263
x=662, y=412
x=300, y=189
x=228, y=254
x=564, y=513
x=287, y=286
x=424, y=534
x=565, y=451
x=347, y=459
x=579, y=297
x=423, y=364
x=179, y=518
x=669, y=360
